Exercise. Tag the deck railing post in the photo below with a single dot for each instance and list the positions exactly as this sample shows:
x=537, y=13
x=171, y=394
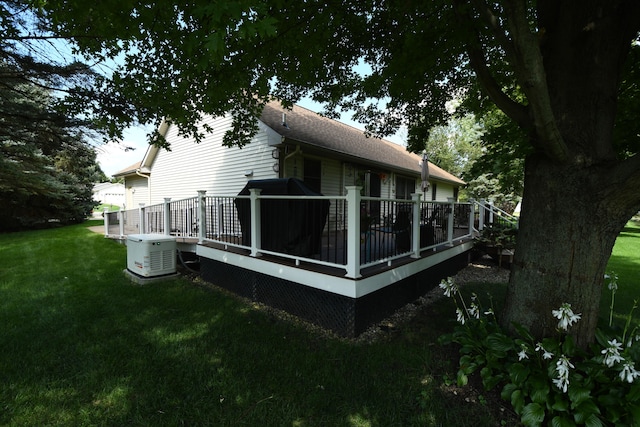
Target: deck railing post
x=472, y=215
x=121, y=222
x=481, y=215
x=415, y=225
x=452, y=207
x=166, y=210
x=491, y=211
x=256, y=230
x=202, y=215
x=142, y=225
x=105, y=215
x=353, y=231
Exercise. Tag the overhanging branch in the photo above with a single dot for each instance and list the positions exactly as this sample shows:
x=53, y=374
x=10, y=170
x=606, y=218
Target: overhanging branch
x=530, y=72
x=511, y=108
x=477, y=60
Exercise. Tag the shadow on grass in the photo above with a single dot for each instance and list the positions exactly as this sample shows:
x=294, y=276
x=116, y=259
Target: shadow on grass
x=631, y=232
x=633, y=226
x=84, y=346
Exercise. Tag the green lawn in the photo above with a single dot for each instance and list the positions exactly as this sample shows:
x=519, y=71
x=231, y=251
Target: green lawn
x=625, y=262
x=101, y=207
x=81, y=345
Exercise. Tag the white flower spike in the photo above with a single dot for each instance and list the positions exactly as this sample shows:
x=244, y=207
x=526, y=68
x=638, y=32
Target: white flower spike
x=448, y=286
x=566, y=316
x=613, y=281
x=629, y=372
x=546, y=355
x=562, y=368
x=523, y=352
x=474, y=311
x=612, y=353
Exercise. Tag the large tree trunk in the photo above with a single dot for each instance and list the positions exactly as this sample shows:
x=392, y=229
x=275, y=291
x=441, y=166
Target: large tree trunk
x=578, y=193
x=567, y=232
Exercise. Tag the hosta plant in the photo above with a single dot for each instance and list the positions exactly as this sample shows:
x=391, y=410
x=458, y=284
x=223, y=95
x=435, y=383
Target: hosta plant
x=551, y=382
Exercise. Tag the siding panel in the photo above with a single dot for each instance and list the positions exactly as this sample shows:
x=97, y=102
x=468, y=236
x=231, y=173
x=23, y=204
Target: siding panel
x=136, y=192
x=209, y=166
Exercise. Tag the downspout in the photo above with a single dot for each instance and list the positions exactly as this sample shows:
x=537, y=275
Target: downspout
x=296, y=151
x=148, y=185
x=290, y=155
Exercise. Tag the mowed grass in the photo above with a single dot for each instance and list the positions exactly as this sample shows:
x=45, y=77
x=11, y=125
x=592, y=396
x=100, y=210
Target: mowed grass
x=81, y=345
x=625, y=262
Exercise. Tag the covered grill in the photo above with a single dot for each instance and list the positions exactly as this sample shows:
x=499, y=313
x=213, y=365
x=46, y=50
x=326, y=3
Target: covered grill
x=288, y=225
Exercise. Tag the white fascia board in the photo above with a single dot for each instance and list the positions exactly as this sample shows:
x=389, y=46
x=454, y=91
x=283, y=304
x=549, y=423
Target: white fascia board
x=337, y=285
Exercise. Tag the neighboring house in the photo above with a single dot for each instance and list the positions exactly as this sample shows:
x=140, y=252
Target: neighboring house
x=327, y=155
x=136, y=183
x=109, y=193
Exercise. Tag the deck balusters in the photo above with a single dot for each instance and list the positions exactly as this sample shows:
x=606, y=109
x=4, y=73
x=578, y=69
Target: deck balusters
x=359, y=232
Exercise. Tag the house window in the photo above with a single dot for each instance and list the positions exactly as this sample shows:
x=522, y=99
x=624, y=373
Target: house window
x=455, y=193
x=404, y=187
x=313, y=174
x=434, y=188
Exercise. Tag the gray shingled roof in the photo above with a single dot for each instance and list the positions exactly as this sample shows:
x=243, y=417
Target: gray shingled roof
x=129, y=170
x=312, y=129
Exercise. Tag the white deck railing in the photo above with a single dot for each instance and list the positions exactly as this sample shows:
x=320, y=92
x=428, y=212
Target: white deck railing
x=349, y=232
x=488, y=213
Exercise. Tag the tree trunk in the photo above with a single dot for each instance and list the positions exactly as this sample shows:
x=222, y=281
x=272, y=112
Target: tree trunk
x=567, y=232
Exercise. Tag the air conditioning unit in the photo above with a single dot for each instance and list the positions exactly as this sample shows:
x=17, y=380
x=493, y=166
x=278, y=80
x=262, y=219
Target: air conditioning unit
x=151, y=255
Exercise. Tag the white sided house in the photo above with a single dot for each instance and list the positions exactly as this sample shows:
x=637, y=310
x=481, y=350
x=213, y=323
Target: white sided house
x=298, y=143
x=354, y=240
x=109, y=193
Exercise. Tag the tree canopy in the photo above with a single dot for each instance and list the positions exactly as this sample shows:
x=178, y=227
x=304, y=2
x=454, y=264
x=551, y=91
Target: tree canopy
x=559, y=71
x=47, y=167
x=47, y=171
x=234, y=55
x=182, y=61
x=456, y=146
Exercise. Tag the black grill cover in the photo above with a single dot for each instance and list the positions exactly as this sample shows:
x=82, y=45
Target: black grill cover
x=289, y=226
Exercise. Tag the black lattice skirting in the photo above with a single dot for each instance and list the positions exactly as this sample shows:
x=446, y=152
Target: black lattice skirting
x=346, y=316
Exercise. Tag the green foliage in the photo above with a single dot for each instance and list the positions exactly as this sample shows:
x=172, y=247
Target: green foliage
x=47, y=170
x=626, y=128
x=185, y=60
x=486, y=149
x=552, y=381
x=455, y=146
x=489, y=187
x=500, y=170
x=498, y=234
